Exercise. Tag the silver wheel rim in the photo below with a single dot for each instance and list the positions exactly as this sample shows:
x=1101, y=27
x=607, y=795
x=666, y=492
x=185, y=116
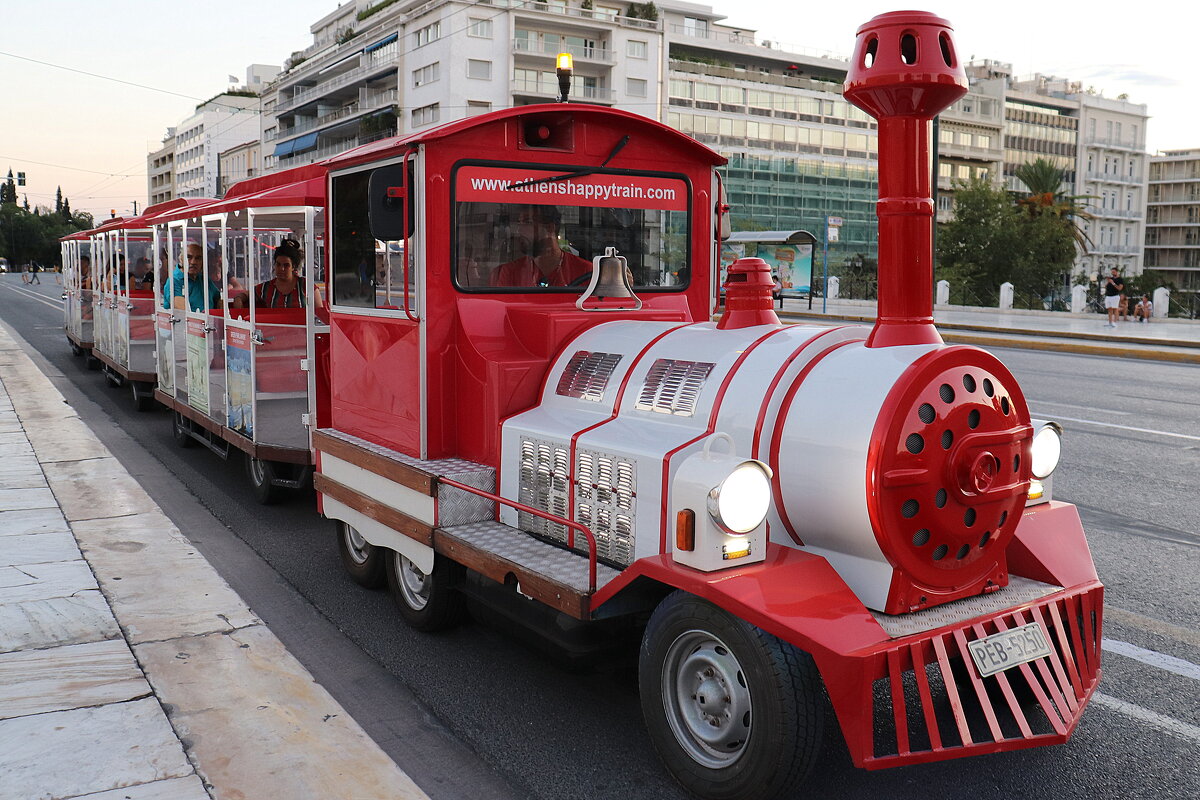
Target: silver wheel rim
x=257, y=473
x=358, y=547
x=414, y=584
x=706, y=699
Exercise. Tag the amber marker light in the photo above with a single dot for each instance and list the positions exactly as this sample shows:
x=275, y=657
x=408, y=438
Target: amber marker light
x=565, y=64
x=685, y=530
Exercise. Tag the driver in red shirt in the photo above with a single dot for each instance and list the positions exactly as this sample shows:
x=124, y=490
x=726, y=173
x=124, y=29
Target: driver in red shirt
x=545, y=263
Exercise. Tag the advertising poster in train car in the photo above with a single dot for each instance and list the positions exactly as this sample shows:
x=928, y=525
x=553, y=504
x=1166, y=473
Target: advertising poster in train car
x=197, y=365
x=121, y=338
x=166, y=353
x=239, y=381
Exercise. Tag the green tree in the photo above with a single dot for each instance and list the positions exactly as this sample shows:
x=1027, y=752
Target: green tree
x=991, y=241
x=1044, y=181
x=8, y=190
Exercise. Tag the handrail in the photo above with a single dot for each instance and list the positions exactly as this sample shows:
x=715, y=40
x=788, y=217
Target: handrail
x=537, y=512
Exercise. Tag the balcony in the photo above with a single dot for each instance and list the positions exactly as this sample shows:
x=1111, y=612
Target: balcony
x=586, y=14
x=597, y=55
x=1110, y=177
x=727, y=37
x=711, y=70
x=1118, y=144
x=548, y=90
x=325, y=87
x=367, y=101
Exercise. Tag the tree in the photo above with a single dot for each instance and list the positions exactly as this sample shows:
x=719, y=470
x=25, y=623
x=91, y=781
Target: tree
x=58, y=200
x=66, y=210
x=8, y=190
x=991, y=241
x=1044, y=181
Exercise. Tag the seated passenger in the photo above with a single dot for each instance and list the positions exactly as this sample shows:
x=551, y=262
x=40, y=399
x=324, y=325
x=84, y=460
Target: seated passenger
x=285, y=290
x=545, y=262
x=143, y=275
x=196, y=284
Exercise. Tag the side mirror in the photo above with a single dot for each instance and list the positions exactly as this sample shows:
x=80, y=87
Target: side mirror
x=724, y=224
x=388, y=205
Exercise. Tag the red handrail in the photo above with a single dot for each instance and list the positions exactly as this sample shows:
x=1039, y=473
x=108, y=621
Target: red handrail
x=537, y=512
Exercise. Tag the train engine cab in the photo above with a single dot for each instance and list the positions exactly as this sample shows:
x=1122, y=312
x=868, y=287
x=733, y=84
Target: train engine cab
x=530, y=396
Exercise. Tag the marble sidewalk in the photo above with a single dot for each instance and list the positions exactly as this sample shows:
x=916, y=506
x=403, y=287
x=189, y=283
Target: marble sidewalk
x=129, y=669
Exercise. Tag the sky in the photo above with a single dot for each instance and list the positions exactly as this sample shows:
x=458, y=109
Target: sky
x=88, y=89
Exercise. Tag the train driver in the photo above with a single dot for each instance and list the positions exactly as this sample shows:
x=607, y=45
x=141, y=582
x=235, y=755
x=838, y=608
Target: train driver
x=545, y=262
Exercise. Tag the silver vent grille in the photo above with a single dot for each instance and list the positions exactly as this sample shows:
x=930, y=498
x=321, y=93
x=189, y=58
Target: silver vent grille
x=586, y=375
x=673, y=387
x=605, y=497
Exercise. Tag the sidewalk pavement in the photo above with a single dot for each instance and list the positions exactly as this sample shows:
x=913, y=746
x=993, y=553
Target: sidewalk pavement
x=129, y=669
x=1162, y=339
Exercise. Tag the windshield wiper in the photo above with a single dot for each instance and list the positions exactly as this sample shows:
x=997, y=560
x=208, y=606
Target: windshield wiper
x=577, y=173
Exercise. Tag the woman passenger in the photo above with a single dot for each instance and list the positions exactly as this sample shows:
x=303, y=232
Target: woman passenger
x=286, y=289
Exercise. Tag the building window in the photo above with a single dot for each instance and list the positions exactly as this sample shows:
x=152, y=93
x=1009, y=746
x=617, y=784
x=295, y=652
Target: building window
x=481, y=70
x=945, y=170
x=477, y=107
x=695, y=27
x=425, y=115
x=480, y=27
x=429, y=33
x=635, y=48
x=426, y=74
x=635, y=87
x=606, y=12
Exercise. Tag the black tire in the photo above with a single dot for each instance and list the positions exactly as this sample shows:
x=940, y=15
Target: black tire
x=733, y=711
x=76, y=350
x=262, y=475
x=366, y=564
x=427, y=602
x=181, y=428
x=92, y=362
x=143, y=397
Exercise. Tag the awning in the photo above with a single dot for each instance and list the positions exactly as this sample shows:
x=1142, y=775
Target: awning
x=298, y=145
x=381, y=43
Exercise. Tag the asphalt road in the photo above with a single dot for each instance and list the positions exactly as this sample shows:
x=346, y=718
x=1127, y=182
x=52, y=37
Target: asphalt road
x=476, y=713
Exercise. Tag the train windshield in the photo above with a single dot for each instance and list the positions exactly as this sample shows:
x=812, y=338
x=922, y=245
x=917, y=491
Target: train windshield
x=523, y=229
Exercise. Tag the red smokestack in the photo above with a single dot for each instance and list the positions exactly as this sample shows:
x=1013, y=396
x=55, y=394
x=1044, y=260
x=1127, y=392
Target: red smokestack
x=904, y=72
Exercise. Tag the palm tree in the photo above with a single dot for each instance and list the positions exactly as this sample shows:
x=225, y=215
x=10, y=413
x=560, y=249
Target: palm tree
x=1044, y=181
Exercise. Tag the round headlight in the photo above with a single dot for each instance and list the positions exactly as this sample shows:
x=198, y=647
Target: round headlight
x=1047, y=447
x=740, y=503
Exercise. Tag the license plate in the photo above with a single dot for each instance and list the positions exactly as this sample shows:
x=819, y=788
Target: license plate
x=1008, y=649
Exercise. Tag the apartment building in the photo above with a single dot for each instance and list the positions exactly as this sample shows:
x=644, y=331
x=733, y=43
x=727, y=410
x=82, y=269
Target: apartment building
x=237, y=163
x=1173, y=221
x=160, y=171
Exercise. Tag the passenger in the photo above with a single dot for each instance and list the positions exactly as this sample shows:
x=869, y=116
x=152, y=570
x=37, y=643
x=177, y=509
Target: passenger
x=196, y=284
x=545, y=262
x=1144, y=310
x=143, y=275
x=285, y=290
x=85, y=272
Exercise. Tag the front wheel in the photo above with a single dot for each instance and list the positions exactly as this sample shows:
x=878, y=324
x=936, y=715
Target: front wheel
x=427, y=601
x=363, y=561
x=733, y=711
x=262, y=479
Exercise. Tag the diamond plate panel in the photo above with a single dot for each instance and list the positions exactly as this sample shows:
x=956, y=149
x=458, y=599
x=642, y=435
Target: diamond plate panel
x=513, y=545
x=1019, y=590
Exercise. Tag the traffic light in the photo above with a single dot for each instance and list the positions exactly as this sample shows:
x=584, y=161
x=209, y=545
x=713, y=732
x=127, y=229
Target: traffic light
x=20, y=179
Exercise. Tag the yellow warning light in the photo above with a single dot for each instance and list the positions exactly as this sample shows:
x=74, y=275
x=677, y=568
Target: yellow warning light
x=565, y=61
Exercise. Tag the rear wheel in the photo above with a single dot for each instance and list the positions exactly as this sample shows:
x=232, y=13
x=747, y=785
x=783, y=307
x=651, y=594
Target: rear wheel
x=733, y=711
x=262, y=475
x=365, y=562
x=427, y=601
x=181, y=429
x=143, y=399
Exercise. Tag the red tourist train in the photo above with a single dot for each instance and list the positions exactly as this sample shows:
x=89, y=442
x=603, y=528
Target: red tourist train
x=507, y=382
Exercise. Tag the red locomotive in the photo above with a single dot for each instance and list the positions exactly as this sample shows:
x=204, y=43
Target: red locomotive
x=529, y=401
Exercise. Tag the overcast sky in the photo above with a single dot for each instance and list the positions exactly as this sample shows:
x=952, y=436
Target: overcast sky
x=91, y=135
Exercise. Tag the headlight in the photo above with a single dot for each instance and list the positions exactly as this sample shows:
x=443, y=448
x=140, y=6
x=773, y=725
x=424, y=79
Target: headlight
x=740, y=503
x=1047, y=447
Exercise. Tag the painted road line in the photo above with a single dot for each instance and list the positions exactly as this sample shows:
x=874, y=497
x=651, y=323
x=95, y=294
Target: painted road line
x=35, y=296
x=1119, y=427
x=1085, y=408
x=1176, y=632
x=1155, y=659
x=1163, y=723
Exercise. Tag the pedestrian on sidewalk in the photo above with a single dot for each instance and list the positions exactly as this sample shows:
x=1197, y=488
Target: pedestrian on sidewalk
x=1114, y=287
x=34, y=277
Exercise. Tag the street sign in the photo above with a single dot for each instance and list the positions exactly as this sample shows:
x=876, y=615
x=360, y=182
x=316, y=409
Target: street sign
x=834, y=221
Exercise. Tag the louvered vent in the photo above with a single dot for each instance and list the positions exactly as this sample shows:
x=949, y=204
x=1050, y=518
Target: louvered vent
x=586, y=375
x=673, y=387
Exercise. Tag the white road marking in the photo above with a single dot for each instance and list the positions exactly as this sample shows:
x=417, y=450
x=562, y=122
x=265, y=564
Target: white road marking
x=1163, y=723
x=1118, y=427
x=35, y=296
x=1085, y=408
x=1155, y=659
